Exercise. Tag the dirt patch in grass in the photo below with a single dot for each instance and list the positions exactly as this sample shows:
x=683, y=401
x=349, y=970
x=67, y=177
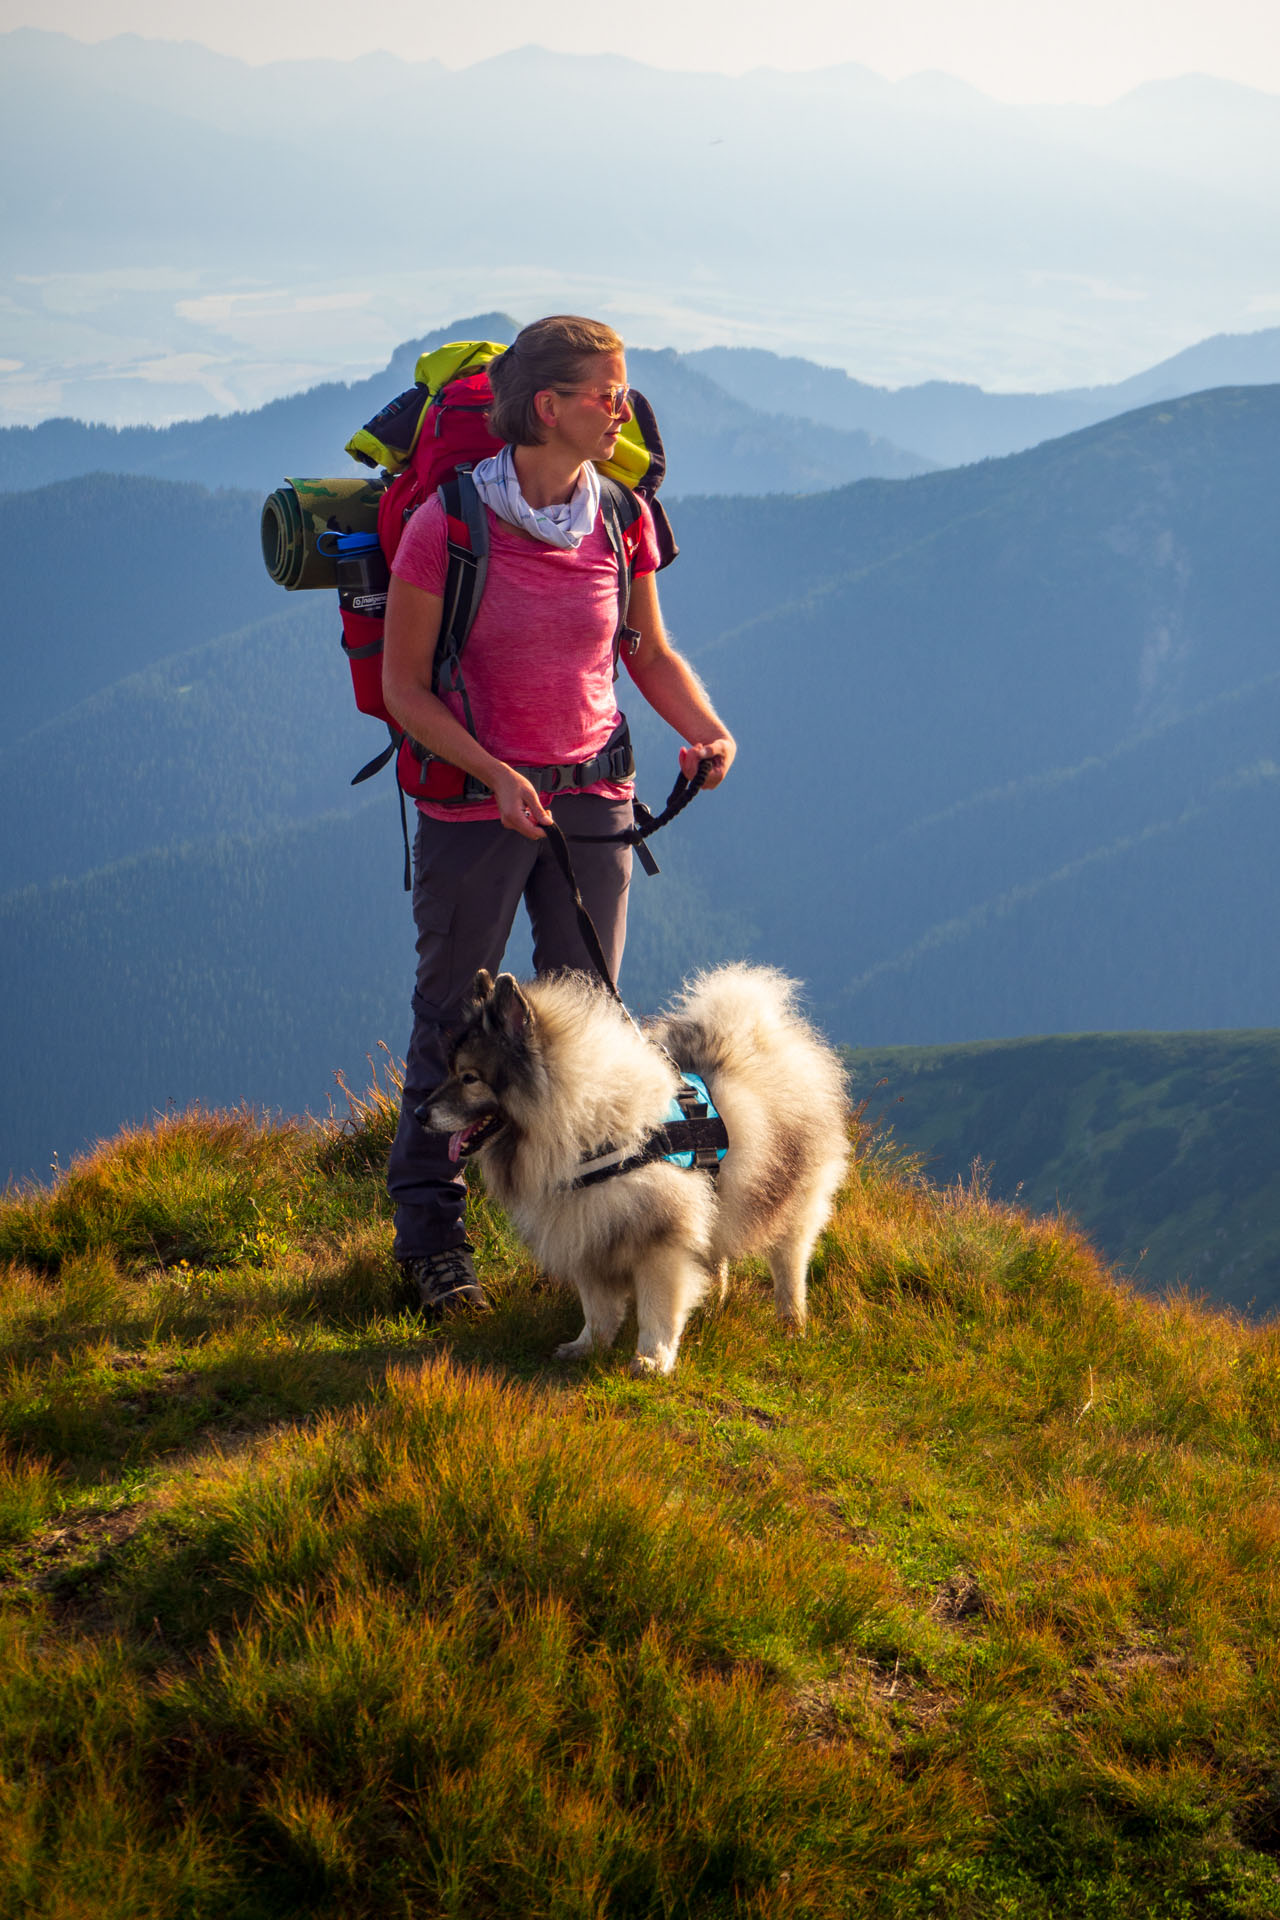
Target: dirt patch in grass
x=868, y=1697
x=730, y=1409
x=960, y=1600
x=1111, y=1672
x=68, y=1562
x=65, y=1560
x=1136, y=1659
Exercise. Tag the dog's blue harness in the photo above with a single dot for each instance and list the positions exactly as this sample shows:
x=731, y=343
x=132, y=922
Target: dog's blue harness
x=691, y=1134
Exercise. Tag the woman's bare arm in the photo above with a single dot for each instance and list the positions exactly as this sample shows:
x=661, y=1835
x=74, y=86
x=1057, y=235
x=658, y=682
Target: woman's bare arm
x=674, y=690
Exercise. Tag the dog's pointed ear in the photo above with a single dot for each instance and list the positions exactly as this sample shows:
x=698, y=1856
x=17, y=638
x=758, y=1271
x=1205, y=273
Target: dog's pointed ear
x=473, y=1003
x=509, y=1009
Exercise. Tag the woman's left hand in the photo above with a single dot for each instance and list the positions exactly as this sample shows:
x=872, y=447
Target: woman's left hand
x=719, y=752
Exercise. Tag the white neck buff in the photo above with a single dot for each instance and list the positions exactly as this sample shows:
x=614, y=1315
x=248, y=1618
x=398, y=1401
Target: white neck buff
x=566, y=525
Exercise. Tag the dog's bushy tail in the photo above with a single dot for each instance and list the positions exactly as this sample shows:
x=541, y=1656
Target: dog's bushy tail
x=727, y=1019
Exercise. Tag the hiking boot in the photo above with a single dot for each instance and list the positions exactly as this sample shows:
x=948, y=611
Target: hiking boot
x=444, y=1281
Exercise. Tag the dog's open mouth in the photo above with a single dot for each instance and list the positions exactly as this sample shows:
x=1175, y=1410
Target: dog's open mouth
x=469, y=1140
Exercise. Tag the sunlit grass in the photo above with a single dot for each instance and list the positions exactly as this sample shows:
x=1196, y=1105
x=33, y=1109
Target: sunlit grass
x=964, y=1604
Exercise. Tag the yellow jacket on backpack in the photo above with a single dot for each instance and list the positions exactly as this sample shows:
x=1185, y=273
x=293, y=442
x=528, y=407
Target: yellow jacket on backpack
x=629, y=462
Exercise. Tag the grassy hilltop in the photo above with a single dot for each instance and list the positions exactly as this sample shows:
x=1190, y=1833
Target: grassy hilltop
x=966, y=1604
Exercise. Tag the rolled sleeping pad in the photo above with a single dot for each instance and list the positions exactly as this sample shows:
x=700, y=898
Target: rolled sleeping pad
x=297, y=513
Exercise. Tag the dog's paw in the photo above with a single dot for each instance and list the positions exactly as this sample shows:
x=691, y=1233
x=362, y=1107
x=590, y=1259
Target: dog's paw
x=646, y=1366
x=572, y=1350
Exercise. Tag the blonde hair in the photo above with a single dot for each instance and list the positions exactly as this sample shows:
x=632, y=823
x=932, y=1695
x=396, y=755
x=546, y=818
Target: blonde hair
x=547, y=353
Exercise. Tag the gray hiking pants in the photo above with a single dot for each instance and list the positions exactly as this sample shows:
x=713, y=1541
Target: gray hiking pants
x=469, y=877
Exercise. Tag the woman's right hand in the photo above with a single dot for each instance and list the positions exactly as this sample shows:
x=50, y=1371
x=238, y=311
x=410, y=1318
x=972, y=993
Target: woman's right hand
x=519, y=806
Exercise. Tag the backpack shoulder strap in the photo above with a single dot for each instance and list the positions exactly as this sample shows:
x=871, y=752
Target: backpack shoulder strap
x=467, y=529
x=620, y=513
x=618, y=500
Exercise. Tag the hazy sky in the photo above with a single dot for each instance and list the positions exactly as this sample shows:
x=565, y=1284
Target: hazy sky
x=1087, y=50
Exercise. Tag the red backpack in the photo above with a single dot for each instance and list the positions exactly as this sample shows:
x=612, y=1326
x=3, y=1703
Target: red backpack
x=427, y=440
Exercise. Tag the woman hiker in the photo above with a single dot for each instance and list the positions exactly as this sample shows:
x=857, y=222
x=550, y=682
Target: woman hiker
x=539, y=679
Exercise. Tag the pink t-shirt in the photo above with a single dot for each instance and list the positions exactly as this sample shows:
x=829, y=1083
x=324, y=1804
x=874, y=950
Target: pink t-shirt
x=538, y=663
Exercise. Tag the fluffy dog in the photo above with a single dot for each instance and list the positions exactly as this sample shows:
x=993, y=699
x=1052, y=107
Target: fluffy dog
x=543, y=1077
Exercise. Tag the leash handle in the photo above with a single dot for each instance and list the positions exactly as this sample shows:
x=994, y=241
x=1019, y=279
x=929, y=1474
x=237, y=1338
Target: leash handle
x=677, y=800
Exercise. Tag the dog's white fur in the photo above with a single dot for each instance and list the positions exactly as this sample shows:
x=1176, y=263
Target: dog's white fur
x=575, y=1075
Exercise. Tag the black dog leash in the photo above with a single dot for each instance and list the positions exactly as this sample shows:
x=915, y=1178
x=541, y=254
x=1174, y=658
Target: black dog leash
x=700, y=1133
x=677, y=800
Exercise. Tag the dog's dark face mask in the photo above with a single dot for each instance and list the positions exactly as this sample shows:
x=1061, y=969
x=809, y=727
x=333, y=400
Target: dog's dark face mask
x=490, y=1054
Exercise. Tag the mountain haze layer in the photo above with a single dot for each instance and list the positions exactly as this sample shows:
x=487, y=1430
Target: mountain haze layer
x=186, y=232
x=736, y=419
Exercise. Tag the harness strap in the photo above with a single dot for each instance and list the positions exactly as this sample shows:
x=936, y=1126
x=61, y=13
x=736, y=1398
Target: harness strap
x=701, y=1121
x=705, y=1138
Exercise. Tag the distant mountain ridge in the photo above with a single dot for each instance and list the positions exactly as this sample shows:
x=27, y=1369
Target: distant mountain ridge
x=716, y=442
x=796, y=427
x=955, y=423
x=991, y=629
x=227, y=450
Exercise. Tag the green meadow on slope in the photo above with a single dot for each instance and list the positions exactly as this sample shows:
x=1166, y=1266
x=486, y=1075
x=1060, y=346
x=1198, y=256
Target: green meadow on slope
x=965, y=1604
x=1162, y=1145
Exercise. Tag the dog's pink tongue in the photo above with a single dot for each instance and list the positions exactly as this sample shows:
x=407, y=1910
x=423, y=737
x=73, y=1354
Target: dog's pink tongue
x=455, y=1143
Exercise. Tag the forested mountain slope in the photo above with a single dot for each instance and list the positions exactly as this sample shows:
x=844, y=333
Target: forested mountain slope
x=1161, y=1145
x=107, y=578
x=983, y=679
x=245, y=969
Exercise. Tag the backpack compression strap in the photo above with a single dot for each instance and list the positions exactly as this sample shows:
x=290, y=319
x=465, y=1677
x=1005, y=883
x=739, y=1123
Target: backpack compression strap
x=467, y=527
x=620, y=517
